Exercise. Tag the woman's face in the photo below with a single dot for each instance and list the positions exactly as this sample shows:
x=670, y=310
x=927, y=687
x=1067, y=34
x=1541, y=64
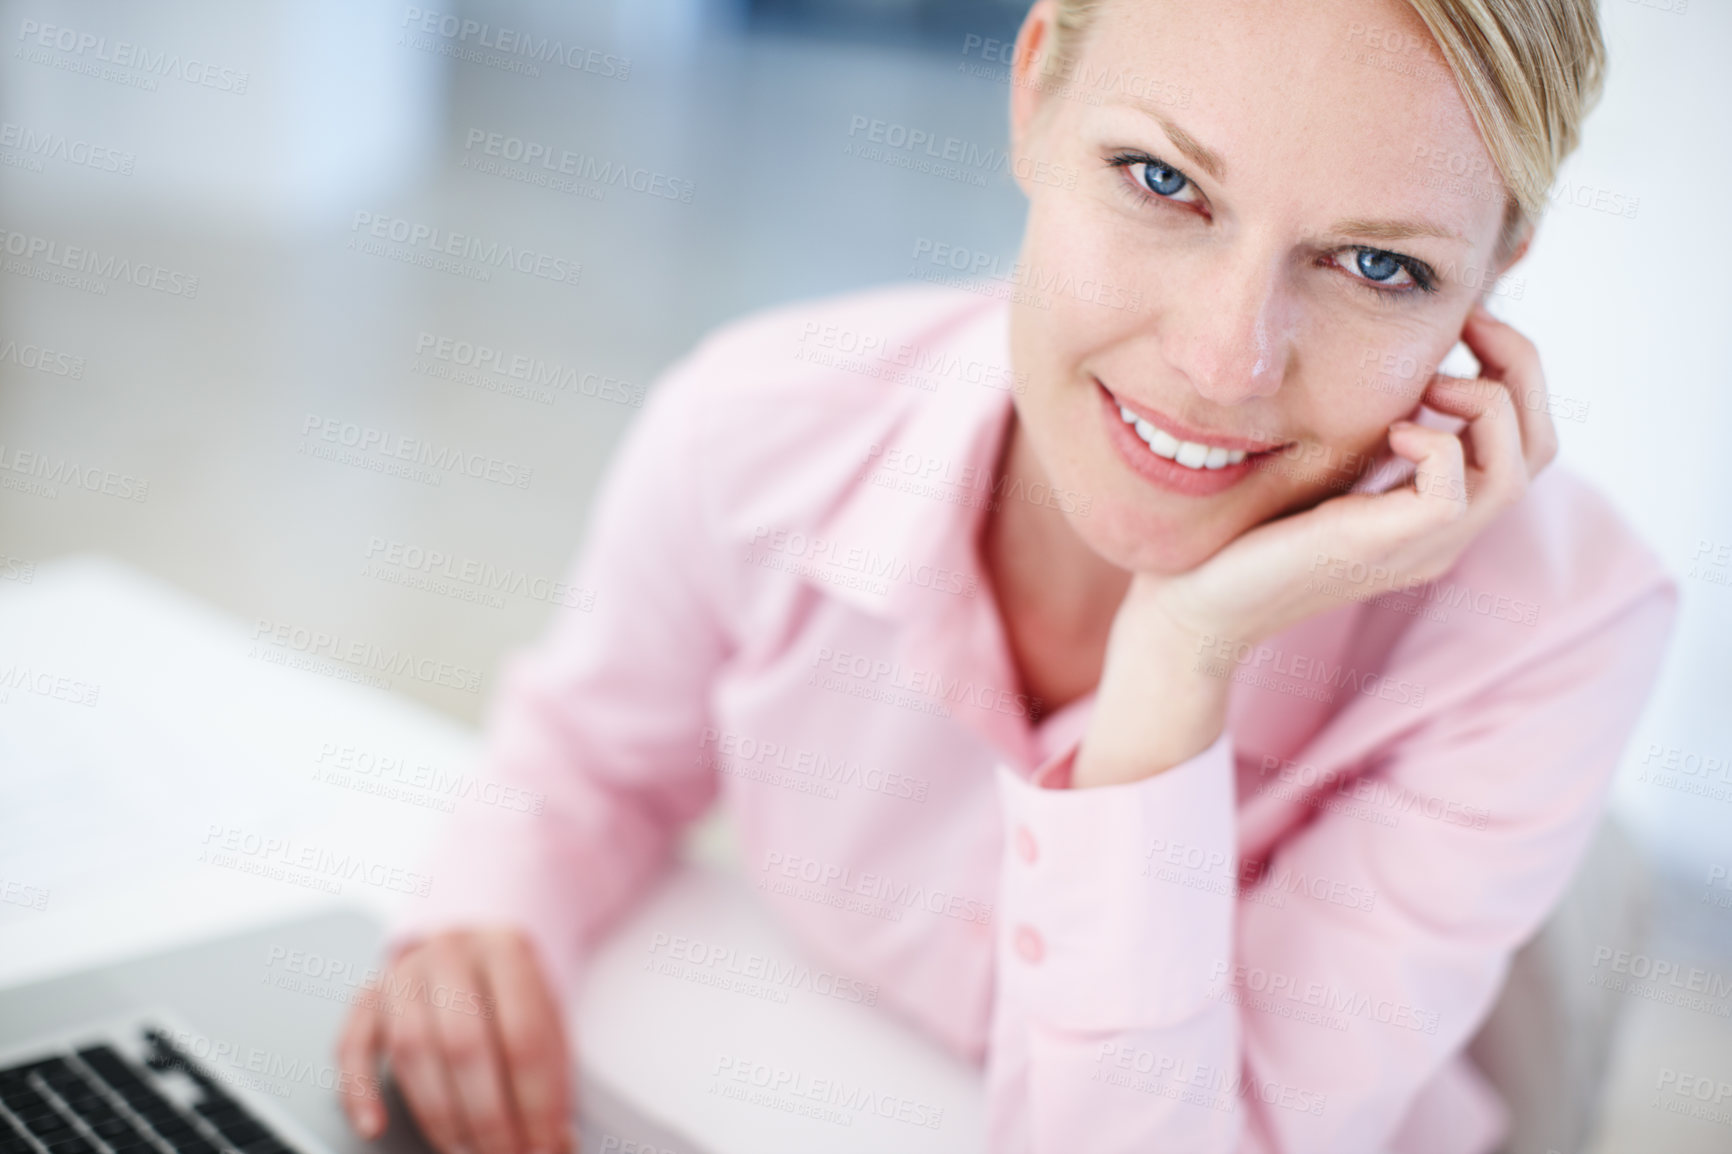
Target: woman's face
x=1243, y=227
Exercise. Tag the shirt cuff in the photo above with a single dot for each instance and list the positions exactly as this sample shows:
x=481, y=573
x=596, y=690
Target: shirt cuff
x=1117, y=901
x=562, y=962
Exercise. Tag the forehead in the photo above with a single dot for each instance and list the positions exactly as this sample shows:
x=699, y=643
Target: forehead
x=1349, y=100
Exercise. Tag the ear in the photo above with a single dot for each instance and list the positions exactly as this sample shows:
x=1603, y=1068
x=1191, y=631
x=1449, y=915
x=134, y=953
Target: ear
x=1523, y=240
x=1506, y=258
x=1027, y=92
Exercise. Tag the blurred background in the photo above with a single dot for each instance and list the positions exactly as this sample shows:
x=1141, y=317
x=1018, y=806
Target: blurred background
x=273, y=201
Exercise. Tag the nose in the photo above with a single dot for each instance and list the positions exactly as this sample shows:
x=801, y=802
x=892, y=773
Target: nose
x=1228, y=329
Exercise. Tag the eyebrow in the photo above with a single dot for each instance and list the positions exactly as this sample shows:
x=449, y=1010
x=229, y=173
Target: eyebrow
x=1395, y=230
x=1210, y=162
x=1204, y=158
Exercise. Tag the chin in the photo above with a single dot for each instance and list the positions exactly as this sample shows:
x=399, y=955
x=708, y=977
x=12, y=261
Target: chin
x=1137, y=540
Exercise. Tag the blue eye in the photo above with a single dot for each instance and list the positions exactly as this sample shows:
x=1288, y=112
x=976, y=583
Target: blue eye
x=1385, y=272
x=1148, y=177
x=1377, y=266
x=1164, y=178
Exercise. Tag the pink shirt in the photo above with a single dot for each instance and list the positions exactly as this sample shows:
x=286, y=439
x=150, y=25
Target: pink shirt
x=1279, y=945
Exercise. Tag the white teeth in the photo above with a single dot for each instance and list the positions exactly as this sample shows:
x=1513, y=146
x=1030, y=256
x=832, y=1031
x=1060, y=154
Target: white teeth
x=1165, y=444
x=1190, y=454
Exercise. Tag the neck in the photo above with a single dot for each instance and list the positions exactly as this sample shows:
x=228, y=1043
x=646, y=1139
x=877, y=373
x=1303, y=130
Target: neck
x=1043, y=573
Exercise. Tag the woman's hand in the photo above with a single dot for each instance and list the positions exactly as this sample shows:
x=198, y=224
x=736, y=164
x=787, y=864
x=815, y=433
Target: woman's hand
x=1157, y=706
x=475, y=1039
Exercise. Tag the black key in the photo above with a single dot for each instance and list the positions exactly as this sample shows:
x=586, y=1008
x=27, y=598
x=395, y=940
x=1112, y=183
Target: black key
x=123, y=1083
x=97, y=1055
x=154, y=1109
x=114, y=1130
x=138, y=1096
x=84, y=1104
x=161, y=1116
x=56, y=1070
x=244, y=1132
x=266, y=1145
x=173, y=1129
x=38, y=1114
x=22, y=1097
x=68, y=1084
x=98, y=1111
x=104, y=1061
x=24, y=1069
x=72, y=1145
x=137, y=1146
x=48, y=1127
x=110, y=1067
x=196, y=1144
x=139, y=1091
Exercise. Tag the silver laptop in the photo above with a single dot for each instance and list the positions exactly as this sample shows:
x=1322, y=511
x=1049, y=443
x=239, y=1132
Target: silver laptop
x=227, y=1047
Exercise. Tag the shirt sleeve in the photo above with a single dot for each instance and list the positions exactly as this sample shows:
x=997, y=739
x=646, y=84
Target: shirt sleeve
x=1157, y=993
x=600, y=724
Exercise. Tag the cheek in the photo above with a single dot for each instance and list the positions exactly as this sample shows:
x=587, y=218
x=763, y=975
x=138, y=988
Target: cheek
x=1356, y=387
x=1392, y=369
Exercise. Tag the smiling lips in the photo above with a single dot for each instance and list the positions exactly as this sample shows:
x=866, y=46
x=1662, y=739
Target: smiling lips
x=1195, y=467
x=1191, y=454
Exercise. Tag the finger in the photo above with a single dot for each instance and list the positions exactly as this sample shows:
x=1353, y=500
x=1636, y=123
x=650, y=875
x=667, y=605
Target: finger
x=1506, y=355
x=530, y=1030
x=358, y=1060
x=1493, y=432
x=1440, y=473
x=413, y=1045
x=473, y=1060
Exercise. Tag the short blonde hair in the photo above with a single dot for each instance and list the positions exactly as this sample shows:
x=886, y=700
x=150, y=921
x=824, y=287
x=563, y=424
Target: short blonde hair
x=1529, y=70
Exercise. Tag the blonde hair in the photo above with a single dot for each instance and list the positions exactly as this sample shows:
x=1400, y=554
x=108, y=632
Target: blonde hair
x=1529, y=70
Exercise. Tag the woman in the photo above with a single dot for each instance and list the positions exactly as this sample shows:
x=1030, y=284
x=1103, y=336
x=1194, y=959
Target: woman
x=1160, y=679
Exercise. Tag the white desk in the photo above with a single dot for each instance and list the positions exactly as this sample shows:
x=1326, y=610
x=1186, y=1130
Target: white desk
x=107, y=809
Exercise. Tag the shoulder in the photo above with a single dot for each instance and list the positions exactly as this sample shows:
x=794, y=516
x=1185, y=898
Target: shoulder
x=833, y=352
x=1560, y=574
x=787, y=340
x=785, y=406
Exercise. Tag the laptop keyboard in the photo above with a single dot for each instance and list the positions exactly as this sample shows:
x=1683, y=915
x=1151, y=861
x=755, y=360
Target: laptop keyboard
x=95, y=1101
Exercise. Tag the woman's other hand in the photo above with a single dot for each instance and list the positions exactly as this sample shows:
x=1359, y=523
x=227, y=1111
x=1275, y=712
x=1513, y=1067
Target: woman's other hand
x=1157, y=704
x=476, y=1042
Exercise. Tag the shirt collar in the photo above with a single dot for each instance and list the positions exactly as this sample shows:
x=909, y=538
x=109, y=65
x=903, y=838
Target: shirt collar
x=915, y=511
